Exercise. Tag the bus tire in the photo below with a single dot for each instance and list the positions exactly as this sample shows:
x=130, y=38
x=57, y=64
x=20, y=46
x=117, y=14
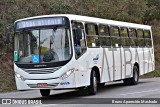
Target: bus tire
x=45, y=92
x=134, y=80
x=92, y=89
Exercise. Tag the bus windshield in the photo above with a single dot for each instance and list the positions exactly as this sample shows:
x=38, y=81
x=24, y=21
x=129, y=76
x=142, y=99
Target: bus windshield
x=42, y=45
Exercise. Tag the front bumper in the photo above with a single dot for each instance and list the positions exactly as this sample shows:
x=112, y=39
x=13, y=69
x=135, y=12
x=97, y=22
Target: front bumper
x=55, y=83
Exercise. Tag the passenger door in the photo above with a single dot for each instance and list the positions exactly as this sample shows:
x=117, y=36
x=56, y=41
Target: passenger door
x=80, y=48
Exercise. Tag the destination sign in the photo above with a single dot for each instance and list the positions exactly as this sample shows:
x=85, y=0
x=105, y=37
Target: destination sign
x=39, y=22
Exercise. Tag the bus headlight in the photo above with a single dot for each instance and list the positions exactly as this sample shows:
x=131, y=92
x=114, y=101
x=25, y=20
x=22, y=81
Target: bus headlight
x=19, y=76
x=67, y=74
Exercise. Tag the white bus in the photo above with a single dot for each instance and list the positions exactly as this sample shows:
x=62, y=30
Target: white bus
x=71, y=51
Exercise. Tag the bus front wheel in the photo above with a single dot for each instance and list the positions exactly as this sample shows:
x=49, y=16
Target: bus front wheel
x=45, y=92
x=92, y=89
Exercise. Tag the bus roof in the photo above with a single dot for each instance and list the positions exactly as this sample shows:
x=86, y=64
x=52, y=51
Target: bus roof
x=93, y=20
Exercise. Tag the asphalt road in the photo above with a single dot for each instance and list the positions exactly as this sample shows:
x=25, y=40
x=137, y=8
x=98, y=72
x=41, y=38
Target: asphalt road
x=147, y=88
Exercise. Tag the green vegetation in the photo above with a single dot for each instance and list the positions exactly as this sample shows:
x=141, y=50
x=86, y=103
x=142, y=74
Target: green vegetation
x=151, y=74
x=136, y=11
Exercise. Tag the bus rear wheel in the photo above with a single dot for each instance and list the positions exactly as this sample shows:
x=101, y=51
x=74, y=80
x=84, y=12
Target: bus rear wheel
x=45, y=92
x=92, y=89
x=134, y=80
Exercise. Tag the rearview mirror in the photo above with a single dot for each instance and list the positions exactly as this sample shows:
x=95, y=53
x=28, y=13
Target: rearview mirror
x=7, y=37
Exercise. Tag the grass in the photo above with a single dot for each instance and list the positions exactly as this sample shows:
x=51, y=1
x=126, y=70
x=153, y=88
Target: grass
x=152, y=74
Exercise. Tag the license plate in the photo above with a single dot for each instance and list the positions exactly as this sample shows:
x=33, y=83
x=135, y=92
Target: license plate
x=42, y=85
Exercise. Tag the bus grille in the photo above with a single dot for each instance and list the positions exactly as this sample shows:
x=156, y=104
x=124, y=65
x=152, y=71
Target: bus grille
x=42, y=70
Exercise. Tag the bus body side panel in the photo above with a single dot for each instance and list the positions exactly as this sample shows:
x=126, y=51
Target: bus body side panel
x=107, y=66
x=149, y=60
x=84, y=64
x=123, y=64
x=82, y=71
x=135, y=58
x=140, y=55
x=120, y=65
x=146, y=52
x=116, y=57
x=126, y=62
x=146, y=60
x=152, y=63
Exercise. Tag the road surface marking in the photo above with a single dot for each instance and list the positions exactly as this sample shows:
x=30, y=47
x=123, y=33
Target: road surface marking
x=140, y=92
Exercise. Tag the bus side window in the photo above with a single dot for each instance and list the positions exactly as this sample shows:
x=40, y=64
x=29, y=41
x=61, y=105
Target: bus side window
x=147, y=36
x=92, y=35
x=140, y=38
x=104, y=35
x=133, y=38
x=79, y=38
x=124, y=37
x=115, y=36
